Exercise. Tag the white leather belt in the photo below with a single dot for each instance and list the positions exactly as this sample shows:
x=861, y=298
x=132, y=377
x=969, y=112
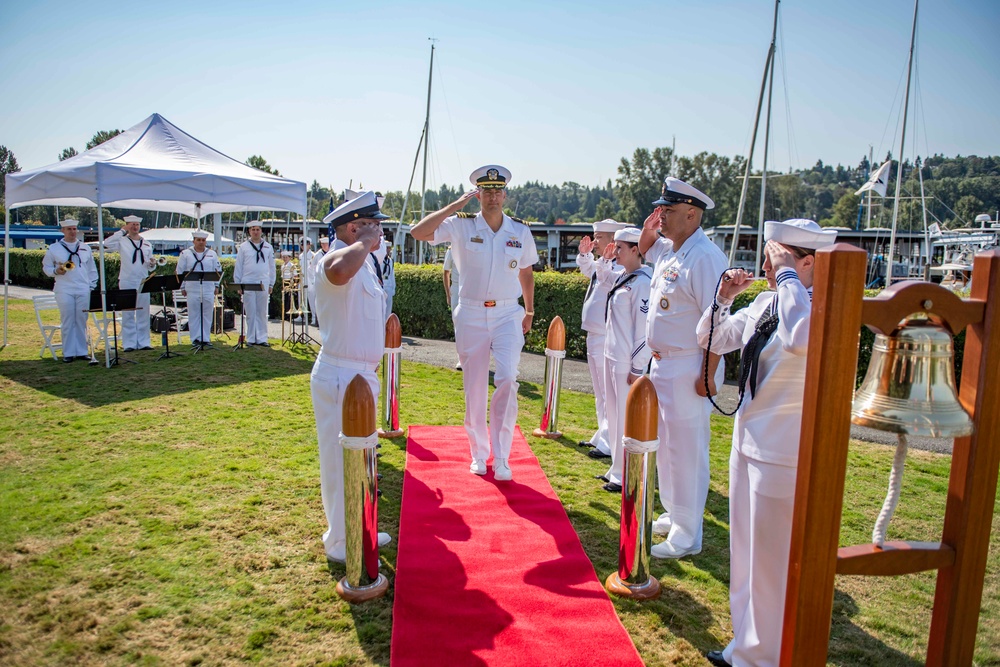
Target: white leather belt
x=493, y=303
x=353, y=364
x=676, y=354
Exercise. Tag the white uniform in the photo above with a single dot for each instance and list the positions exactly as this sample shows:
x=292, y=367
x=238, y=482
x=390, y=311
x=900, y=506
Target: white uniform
x=200, y=294
x=449, y=265
x=593, y=323
x=625, y=350
x=388, y=268
x=684, y=283
x=255, y=264
x=311, y=288
x=762, y=466
x=136, y=263
x=488, y=264
x=345, y=352
x=72, y=292
x=305, y=263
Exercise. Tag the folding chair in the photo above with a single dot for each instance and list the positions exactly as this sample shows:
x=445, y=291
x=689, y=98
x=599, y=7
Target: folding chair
x=105, y=330
x=43, y=303
x=180, y=303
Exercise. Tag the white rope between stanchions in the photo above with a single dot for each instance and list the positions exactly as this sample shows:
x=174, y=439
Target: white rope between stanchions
x=556, y=354
x=633, y=446
x=356, y=442
x=892, y=497
x=393, y=350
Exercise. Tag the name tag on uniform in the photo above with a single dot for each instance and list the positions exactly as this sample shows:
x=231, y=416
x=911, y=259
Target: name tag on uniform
x=476, y=239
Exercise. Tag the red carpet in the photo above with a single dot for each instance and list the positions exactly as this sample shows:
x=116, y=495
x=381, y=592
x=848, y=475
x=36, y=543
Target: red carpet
x=492, y=573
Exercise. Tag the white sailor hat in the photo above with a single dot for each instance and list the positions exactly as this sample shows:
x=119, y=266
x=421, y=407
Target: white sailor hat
x=628, y=234
x=609, y=225
x=199, y=234
x=676, y=191
x=254, y=223
x=286, y=253
x=354, y=194
x=800, y=233
x=69, y=222
x=490, y=177
x=324, y=239
x=132, y=218
x=365, y=205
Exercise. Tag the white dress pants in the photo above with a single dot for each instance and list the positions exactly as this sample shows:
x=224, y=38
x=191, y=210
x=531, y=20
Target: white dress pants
x=255, y=308
x=761, y=500
x=311, y=301
x=327, y=385
x=200, y=304
x=595, y=362
x=682, y=459
x=616, y=382
x=73, y=322
x=135, y=323
x=478, y=332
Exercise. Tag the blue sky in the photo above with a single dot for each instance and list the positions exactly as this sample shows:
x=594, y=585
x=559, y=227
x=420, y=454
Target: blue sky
x=556, y=91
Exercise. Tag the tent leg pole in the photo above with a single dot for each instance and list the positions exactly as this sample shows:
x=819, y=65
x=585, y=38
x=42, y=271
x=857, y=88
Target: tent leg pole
x=6, y=269
x=104, y=296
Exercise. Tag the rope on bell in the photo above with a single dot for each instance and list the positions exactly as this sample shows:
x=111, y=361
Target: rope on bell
x=892, y=496
x=711, y=332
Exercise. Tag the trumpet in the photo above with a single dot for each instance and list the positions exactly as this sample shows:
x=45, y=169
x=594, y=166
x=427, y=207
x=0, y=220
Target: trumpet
x=66, y=266
x=160, y=260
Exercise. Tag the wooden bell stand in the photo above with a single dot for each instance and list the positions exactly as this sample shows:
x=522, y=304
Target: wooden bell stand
x=960, y=558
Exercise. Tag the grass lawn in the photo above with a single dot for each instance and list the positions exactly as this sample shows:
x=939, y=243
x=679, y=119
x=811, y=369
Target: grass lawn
x=169, y=513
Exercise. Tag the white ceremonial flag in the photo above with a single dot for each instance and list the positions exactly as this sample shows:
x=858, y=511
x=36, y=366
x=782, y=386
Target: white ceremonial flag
x=879, y=181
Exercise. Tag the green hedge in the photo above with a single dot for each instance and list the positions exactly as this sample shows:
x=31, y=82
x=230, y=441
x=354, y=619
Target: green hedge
x=423, y=311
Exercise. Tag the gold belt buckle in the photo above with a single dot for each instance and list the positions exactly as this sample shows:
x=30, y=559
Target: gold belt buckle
x=489, y=304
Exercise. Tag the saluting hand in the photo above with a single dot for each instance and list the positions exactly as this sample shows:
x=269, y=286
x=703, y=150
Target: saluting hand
x=460, y=203
x=780, y=256
x=734, y=282
x=653, y=221
x=586, y=245
x=609, y=252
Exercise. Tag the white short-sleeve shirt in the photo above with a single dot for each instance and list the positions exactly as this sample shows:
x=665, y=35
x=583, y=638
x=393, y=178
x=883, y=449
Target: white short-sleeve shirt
x=351, y=316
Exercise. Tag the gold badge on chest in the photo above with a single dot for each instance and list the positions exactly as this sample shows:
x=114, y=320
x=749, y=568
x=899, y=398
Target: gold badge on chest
x=664, y=303
x=513, y=263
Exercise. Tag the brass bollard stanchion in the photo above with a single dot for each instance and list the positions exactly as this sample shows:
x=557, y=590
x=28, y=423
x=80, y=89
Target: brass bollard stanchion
x=363, y=580
x=632, y=580
x=555, y=352
x=390, y=379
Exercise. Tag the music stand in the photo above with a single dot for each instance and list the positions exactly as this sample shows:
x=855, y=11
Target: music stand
x=163, y=284
x=245, y=287
x=201, y=277
x=115, y=301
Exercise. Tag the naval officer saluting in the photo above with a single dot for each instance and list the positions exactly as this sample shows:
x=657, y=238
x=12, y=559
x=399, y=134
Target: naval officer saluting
x=494, y=255
x=71, y=263
x=350, y=303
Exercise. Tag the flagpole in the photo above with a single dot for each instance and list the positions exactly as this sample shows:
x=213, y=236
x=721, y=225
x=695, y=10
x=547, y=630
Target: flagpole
x=902, y=144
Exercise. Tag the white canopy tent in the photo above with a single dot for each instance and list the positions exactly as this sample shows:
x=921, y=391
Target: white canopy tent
x=152, y=166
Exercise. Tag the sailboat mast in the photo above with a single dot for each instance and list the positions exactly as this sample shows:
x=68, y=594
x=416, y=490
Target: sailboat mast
x=753, y=138
x=767, y=137
x=427, y=136
x=902, y=144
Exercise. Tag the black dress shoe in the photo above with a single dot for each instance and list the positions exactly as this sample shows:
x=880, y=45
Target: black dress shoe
x=598, y=454
x=145, y=347
x=611, y=487
x=603, y=478
x=715, y=657
x=129, y=349
x=585, y=443
x=67, y=360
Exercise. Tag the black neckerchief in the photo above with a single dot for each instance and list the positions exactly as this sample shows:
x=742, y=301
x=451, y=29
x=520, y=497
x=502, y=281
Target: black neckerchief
x=378, y=269
x=622, y=282
x=72, y=253
x=137, y=250
x=259, y=251
x=750, y=357
x=198, y=260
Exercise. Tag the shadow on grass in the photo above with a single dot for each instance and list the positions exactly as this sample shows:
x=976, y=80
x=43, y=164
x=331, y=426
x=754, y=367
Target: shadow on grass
x=850, y=645
x=97, y=386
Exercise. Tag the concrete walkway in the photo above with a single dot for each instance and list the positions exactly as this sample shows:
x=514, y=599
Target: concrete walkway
x=576, y=375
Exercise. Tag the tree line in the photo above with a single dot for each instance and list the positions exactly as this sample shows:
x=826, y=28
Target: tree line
x=956, y=190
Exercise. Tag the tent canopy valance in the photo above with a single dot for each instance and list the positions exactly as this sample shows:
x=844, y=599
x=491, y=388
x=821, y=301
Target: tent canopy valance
x=156, y=166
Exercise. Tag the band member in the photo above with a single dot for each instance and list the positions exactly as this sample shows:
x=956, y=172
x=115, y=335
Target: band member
x=625, y=352
x=686, y=267
x=136, y=262
x=324, y=247
x=71, y=263
x=774, y=335
x=494, y=254
x=200, y=293
x=255, y=264
x=306, y=255
x=351, y=305
x=593, y=320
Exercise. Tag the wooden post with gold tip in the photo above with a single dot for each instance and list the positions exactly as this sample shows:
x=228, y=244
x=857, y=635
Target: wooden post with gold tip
x=632, y=580
x=390, y=379
x=363, y=581
x=555, y=352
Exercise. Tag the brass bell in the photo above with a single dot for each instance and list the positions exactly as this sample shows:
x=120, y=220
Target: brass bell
x=910, y=384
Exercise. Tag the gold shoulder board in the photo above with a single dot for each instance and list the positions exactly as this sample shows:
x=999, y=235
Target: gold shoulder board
x=466, y=214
